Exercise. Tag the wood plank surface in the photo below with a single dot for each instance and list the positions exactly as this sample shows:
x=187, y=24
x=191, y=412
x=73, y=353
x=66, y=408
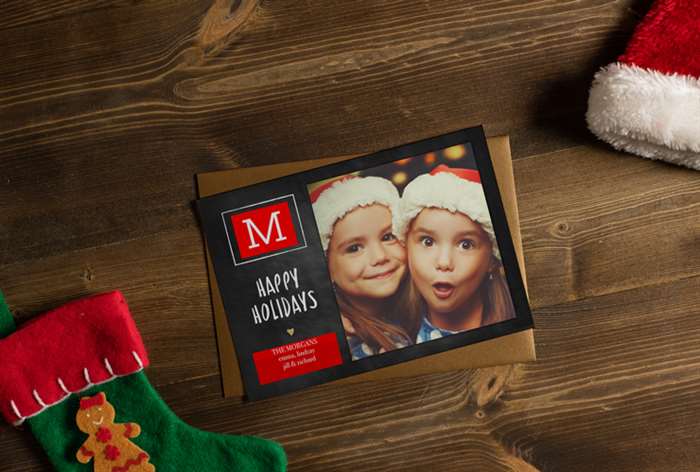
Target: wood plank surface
x=129, y=97
x=108, y=109
x=604, y=221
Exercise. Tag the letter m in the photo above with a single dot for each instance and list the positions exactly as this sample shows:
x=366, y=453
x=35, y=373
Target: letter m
x=252, y=228
x=265, y=229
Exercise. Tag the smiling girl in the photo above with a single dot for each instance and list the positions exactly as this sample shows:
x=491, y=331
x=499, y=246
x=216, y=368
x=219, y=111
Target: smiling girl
x=454, y=262
x=367, y=263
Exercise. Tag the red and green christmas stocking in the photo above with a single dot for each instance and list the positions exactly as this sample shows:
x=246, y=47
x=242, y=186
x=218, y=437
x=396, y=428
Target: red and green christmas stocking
x=75, y=375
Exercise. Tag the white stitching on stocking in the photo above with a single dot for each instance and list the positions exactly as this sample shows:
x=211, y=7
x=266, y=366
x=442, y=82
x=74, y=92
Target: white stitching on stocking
x=86, y=374
x=138, y=359
x=109, y=367
x=16, y=410
x=38, y=398
x=63, y=386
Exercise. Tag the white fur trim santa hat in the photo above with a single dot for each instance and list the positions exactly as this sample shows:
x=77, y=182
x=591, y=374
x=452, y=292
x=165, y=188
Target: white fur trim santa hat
x=452, y=189
x=648, y=102
x=333, y=200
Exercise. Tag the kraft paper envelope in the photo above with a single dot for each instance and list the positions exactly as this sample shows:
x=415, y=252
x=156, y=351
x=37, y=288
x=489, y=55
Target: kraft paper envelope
x=511, y=348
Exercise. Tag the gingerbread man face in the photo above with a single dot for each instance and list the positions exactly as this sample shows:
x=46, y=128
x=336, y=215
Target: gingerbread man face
x=94, y=413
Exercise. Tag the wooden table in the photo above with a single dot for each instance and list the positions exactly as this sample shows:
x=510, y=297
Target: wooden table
x=110, y=108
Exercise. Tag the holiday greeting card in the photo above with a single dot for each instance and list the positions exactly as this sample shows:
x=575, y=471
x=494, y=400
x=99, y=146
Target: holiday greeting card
x=364, y=264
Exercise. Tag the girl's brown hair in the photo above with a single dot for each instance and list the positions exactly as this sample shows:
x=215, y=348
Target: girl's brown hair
x=498, y=305
x=379, y=333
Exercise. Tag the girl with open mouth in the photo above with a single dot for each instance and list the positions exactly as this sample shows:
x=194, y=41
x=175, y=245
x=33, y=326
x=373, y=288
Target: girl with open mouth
x=367, y=263
x=457, y=278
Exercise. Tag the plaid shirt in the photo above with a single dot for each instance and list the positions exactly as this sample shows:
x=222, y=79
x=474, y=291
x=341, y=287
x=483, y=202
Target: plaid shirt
x=428, y=332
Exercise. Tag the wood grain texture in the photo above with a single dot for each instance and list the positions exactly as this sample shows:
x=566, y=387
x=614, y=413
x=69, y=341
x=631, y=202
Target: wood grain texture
x=604, y=221
x=108, y=109
x=84, y=91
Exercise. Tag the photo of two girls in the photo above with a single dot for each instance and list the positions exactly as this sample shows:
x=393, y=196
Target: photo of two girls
x=411, y=251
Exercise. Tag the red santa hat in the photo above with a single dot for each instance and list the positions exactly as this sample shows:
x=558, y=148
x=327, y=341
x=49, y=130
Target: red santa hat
x=452, y=189
x=648, y=102
x=334, y=199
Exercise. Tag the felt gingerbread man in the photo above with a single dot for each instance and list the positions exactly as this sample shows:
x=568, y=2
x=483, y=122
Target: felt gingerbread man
x=108, y=444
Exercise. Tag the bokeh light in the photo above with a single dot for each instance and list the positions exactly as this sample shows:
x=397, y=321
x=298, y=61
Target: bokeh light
x=399, y=178
x=454, y=152
x=401, y=172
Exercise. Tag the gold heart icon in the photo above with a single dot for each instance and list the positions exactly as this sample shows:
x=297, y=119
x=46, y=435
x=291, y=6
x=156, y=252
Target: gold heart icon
x=290, y=331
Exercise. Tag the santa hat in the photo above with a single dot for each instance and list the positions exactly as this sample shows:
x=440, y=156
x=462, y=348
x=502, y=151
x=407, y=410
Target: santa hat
x=453, y=189
x=648, y=102
x=334, y=199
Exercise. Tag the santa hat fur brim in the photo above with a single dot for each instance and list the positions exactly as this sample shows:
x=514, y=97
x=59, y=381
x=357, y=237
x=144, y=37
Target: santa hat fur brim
x=346, y=195
x=449, y=192
x=649, y=113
